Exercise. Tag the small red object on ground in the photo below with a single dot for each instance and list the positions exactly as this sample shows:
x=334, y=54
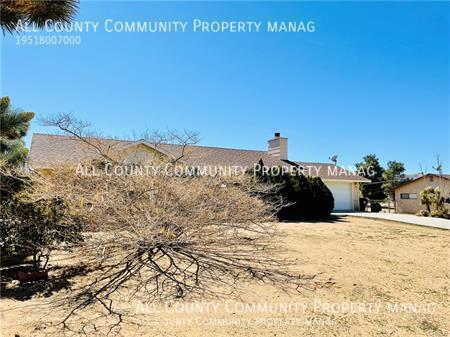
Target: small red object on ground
x=32, y=275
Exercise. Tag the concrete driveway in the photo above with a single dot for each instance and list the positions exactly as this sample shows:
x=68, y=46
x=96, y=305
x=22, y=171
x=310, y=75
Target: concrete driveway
x=404, y=218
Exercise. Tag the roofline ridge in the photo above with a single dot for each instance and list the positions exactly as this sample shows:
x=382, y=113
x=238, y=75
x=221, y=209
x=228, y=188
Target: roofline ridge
x=68, y=136
x=147, y=141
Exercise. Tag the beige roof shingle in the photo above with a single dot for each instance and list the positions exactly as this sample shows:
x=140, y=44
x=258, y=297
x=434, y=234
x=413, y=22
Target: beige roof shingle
x=51, y=150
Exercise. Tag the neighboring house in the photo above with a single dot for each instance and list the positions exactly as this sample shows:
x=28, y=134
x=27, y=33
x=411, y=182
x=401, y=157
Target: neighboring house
x=407, y=195
x=48, y=151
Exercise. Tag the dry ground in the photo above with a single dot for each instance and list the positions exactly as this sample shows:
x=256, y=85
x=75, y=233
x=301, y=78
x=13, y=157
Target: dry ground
x=375, y=279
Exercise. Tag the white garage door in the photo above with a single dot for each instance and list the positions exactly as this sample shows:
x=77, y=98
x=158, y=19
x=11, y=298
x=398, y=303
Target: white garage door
x=342, y=193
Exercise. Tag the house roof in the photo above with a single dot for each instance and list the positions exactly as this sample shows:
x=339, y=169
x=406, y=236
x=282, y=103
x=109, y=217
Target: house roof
x=327, y=171
x=49, y=150
x=420, y=175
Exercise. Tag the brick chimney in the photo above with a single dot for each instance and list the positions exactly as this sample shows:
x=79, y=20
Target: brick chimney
x=278, y=147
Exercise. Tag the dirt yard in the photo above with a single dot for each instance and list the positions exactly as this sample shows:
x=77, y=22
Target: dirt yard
x=374, y=278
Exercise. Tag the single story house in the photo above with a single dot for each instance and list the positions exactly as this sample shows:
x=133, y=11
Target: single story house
x=49, y=150
x=407, y=195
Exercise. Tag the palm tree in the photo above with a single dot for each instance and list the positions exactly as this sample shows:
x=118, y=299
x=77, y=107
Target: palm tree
x=35, y=12
x=14, y=125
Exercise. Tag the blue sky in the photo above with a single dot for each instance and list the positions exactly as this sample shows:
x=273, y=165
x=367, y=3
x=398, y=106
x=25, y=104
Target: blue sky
x=373, y=78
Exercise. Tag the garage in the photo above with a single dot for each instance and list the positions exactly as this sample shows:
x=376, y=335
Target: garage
x=342, y=193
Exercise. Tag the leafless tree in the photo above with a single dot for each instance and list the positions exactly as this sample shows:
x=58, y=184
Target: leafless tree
x=165, y=237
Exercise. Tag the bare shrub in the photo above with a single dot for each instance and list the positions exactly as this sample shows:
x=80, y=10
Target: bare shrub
x=165, y=237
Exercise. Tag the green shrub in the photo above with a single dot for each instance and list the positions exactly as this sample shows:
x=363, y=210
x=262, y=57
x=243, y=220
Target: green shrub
x=423, y=213
x=375, y=207
x=363, y=203
x=440, y=213
x=29, y=229
x=305, y=197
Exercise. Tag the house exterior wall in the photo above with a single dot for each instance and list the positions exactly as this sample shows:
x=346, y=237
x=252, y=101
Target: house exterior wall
x=356, y=193
x=140, y=154
x=413, y=206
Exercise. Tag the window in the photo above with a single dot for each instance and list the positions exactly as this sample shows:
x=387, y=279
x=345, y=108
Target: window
x=408, y=195
x=431, y=178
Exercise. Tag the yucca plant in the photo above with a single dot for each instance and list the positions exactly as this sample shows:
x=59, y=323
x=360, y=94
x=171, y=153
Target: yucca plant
x=427, y=198
x=434, y=197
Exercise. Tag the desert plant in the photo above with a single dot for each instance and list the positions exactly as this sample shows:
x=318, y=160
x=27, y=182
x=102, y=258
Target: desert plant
x=434, y=200
x=440, y=213
x=423, y=213
x=426, y=198
x=161, y=236
x=438, y=201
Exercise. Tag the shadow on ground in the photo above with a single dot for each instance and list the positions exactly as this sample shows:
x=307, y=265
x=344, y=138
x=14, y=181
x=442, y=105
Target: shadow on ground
x=333, y=218
x=60, y=278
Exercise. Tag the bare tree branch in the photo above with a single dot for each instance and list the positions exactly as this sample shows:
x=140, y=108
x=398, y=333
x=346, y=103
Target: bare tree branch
x=162, y=237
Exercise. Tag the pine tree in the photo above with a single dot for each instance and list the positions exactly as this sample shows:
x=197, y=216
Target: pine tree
x=393, y=176
x=14, y=125
x=371, y=169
